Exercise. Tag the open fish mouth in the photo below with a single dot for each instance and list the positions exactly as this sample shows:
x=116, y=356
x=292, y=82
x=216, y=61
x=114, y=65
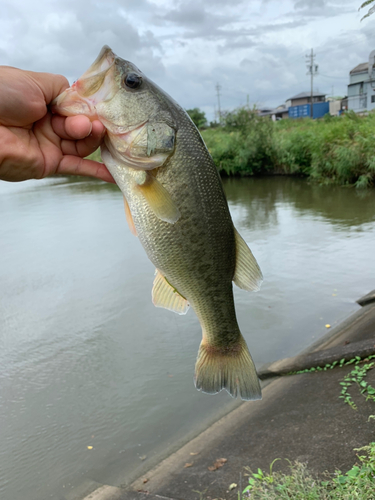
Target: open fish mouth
x=92, y=87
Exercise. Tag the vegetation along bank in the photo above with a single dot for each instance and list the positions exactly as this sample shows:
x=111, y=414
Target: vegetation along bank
x=337, y=150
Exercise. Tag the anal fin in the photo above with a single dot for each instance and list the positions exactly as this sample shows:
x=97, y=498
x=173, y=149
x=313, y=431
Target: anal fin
x=247, y=274
x=164, y=295
x=129, y=218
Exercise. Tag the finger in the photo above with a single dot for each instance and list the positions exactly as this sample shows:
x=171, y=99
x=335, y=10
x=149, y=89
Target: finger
x=73, y=127
x=50, y=84
x=78, y=127
x=72, y=165
x=86, y=146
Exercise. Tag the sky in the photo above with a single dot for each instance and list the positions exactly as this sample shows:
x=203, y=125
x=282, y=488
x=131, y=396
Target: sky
x=255, y=49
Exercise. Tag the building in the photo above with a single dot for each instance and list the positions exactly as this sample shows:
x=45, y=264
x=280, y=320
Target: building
x=305, y=98
x=337, y=105
x=361, y=89
x=275, y=113
x=299, y=106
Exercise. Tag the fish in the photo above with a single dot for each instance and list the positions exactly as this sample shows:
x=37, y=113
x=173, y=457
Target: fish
x=175, y=203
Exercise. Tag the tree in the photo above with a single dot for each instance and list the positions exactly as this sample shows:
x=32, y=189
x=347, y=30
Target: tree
x=371, y=10
x=198, y=117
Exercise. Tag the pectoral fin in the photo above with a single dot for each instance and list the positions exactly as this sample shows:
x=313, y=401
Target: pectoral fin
x=157, y=197
x=129, y=218
x=164, y=295
x=247, y=275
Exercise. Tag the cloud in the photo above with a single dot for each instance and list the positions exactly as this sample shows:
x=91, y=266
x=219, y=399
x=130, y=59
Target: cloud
x=322, y=8
x=250, y=48
x=197, y=19
x=67, y=38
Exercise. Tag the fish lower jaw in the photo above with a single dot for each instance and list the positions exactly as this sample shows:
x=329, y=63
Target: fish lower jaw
x=70, y=103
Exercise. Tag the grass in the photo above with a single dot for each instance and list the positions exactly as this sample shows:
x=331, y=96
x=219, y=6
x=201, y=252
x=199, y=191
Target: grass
x=300, y=484
x=337, y=150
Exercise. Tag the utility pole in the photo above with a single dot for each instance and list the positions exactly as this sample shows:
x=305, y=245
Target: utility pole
x=312, y=70
x=218, y=88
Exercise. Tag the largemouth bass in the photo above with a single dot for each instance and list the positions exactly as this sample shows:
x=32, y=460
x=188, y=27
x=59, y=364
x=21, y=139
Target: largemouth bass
x=175, y=203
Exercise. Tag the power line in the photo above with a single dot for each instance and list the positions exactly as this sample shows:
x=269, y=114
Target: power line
x=334, y=77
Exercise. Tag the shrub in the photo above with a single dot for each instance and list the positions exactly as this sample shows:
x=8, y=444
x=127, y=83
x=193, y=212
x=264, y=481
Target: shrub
x=332, y=149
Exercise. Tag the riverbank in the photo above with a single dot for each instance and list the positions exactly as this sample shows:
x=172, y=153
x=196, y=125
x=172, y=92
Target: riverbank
x=336, y=150
x=301, y=417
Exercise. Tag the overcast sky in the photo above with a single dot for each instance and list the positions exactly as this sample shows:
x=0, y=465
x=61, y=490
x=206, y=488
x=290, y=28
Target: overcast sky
x=251, y=48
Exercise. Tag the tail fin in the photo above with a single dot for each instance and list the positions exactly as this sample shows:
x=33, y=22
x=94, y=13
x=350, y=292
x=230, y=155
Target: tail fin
x=233, y=370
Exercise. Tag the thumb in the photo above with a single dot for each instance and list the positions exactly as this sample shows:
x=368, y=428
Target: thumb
x=50, y=84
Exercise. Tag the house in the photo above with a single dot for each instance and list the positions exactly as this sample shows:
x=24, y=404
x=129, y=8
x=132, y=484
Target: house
x=305, y=98
x=337, y=105
x=361, y=89
x=299, y=106
x=275, y=113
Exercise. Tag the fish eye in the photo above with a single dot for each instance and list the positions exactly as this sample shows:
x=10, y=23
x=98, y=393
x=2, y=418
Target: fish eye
x=133, y=81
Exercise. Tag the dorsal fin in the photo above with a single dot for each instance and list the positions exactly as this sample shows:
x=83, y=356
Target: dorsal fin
x=247, y=274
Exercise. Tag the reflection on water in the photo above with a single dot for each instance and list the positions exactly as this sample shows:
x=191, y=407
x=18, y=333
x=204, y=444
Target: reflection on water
x=85, y=358
x=336, y=204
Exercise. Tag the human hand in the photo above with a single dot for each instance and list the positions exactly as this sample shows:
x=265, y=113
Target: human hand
x=34, y=143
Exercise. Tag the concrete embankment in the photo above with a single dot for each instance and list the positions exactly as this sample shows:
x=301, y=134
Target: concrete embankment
x=299, y=418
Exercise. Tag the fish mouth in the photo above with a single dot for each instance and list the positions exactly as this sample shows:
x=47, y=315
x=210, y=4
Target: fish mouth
x=92, y=87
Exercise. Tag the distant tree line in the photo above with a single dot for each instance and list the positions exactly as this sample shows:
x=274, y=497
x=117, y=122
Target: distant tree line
x=199, y=119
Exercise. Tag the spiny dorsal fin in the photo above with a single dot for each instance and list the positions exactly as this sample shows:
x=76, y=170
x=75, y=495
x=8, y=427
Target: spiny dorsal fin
x=129, y=218
x=158, y=198
x=247, y=274
x=164, y=295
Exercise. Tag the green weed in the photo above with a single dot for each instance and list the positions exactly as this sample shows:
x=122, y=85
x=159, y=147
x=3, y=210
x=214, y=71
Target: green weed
x=356, y=376
x=357, y=483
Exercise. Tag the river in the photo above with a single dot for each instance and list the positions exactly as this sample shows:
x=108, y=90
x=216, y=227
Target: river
x=96, y=384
